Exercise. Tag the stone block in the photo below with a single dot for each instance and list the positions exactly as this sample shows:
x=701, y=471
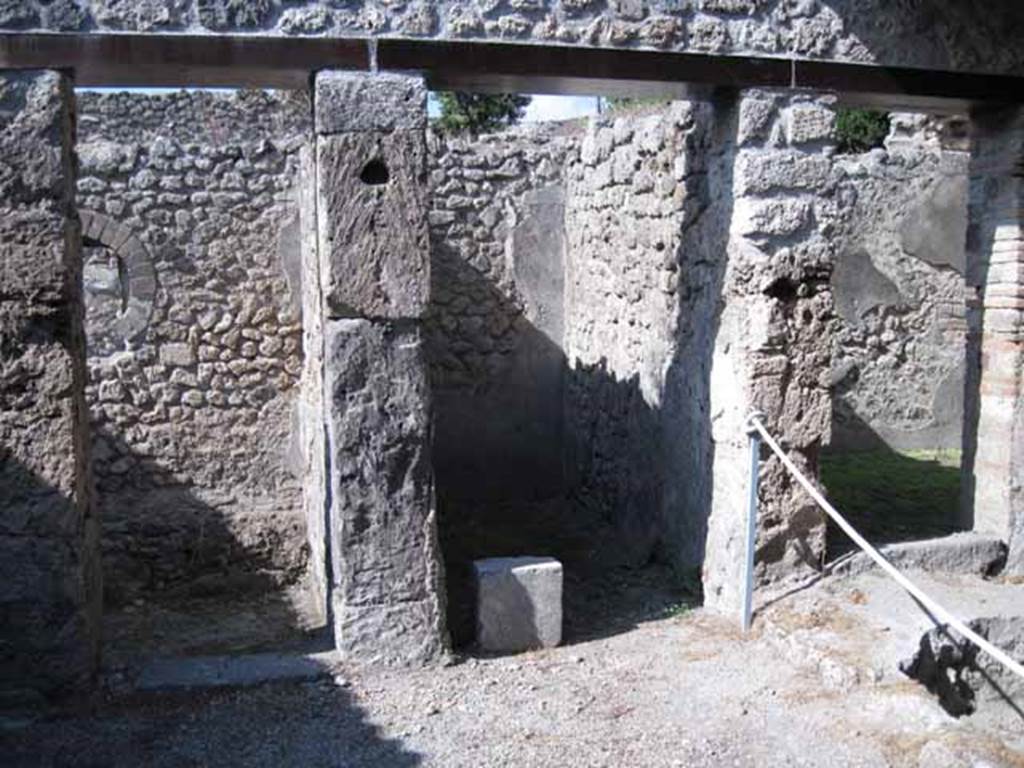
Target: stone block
x=352, y=101
x=49, y=569
x=310, y=404
x=768, y=171
x=383, y=539
x=372, y=220
x=810, y=123
x=756, y=118
x=962, y=553
x=177, y=354
x=519, y=603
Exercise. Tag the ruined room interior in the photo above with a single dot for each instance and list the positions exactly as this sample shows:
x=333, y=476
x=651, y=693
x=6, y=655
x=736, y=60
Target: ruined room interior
x=285, y=371
x=567, y=340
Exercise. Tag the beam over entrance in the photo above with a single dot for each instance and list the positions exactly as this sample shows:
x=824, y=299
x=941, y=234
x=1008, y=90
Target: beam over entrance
x=273, y=62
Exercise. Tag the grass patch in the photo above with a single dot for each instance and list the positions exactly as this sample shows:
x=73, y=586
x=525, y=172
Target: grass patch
x=891, y=496
x=675, y=610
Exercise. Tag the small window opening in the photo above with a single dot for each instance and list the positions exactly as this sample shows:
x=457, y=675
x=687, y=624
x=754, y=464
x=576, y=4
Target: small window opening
x=375, y=173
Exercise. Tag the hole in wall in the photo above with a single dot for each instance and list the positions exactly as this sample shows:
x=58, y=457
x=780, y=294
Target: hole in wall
x=375, y=173
x=782, y=289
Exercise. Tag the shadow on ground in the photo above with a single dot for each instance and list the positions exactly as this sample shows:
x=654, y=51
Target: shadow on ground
x=315, y=724
x=603, y=593
x=892, y=497
x=178, y=578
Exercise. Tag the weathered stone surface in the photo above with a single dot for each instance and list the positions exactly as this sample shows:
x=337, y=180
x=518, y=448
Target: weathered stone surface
x=993, y=464
x=374, y=242
x=49, y=569
x=969, y=35
x=1015, y=559
x=386, y=566
x=494, y=324
x=634, y=247
x=192, y=292
x=518, y=603
x=354, y=101
x=309, y=416
x=898, y=362
x=955, y=670
x=234, y=14
x=963, y=553
x=809, y=123
x=772, y=354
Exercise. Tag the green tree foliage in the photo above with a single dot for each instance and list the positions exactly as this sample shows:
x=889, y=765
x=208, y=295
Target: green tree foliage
x=478, y=112
x=858, y=130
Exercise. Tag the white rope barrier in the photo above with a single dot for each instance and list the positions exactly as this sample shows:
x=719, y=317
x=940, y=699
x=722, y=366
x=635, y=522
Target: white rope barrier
x=937, y=610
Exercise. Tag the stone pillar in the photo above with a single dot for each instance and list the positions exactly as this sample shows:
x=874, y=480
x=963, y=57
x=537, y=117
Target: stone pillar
x=311, y=429
x=994, y=433
x=386, y=591
x=49, y=567
x=772, y=349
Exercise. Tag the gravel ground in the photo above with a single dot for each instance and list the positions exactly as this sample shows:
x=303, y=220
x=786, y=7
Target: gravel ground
x=679, y=691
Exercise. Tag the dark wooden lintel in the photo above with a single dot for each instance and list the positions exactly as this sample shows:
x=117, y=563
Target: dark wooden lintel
x=264, y=61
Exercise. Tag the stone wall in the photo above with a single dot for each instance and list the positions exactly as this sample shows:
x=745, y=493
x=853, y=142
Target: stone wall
x=898, y=366
x=192, y=285
x=636, y=187
x=646, y=205
x=773, y=345
x=980, y=35
x=494, y=325
x=994, y=425
x=494, y=341
x=387, y=588
x=49, y=554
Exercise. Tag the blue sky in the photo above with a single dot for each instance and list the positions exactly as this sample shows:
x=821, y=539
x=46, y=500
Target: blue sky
x=560, y=107
x=543, y=108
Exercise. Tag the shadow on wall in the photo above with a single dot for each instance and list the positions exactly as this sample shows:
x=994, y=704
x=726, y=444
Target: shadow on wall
x=504, y=488
x=182, y=578
x=313, y=724
x=889, y=496
x=539, y=455
x=49, y=584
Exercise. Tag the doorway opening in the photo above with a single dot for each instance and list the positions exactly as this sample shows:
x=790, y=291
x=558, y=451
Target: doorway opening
x=893, y=465
x=191, y=282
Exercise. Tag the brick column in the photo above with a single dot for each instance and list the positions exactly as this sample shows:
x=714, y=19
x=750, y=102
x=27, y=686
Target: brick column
x=49, y=568
x=994, y=429
x=772, y=349
x=386, y=591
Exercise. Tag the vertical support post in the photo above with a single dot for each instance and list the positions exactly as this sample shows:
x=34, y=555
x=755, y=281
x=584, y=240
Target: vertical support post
x=49, y=532
x=773, y=332
x=751, y=543
x=386, y=588
x=994, y=433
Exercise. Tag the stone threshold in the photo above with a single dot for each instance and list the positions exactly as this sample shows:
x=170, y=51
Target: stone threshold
x=235, y=671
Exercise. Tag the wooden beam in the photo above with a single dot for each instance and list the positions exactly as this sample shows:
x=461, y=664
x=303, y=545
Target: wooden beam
x=528, y=68
x=278, y=62
x=183, y=60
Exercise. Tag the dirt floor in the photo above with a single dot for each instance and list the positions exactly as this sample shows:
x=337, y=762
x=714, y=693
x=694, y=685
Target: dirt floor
x=685, y=689
x=282, y=619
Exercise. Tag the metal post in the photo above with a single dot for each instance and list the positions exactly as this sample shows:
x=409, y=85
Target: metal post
x=751, y=542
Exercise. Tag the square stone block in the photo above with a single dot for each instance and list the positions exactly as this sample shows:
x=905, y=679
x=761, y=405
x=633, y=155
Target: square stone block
x=519, y=603
x=385, y=562
x=360, y=101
